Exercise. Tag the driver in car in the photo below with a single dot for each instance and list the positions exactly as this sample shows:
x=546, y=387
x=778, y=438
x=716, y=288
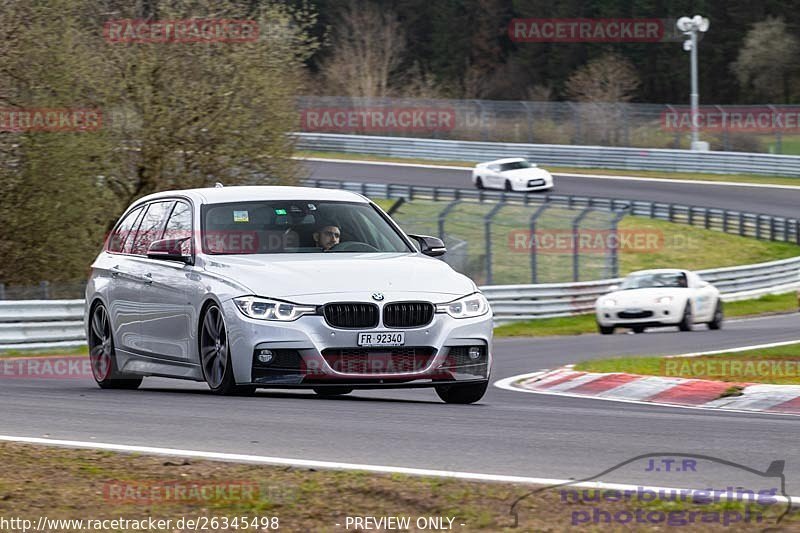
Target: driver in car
x=327, y=236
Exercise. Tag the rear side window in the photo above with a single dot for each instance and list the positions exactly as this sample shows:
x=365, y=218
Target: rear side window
x=123, y=231
x=179, y=226
x=152, y=226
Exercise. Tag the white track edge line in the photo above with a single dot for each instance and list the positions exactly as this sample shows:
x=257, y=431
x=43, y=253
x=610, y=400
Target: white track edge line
x=567, y=174
x=508, y=385
x=280, y=461
x=739, y=349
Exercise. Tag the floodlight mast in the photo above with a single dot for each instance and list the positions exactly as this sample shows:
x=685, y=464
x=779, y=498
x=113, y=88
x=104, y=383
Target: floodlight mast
x=690, y=27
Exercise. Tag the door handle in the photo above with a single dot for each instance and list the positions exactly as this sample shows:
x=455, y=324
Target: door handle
x=148, y=279
x=115, y=271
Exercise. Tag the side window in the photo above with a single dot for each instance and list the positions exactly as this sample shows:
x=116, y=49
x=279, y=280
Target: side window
x=123, y=231
x=179, y=226
x=151, y=227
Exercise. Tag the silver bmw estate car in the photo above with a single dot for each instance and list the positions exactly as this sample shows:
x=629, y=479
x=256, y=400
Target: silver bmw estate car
x=282, y=287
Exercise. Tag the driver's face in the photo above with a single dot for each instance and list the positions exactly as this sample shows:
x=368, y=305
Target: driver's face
x=327, y=237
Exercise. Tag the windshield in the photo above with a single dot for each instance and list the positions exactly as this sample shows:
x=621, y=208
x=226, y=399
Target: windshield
x=514, y=165
x=297, y=226
x=647, y=281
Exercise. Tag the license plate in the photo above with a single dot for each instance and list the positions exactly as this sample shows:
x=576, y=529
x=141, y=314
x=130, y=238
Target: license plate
x=382, y=338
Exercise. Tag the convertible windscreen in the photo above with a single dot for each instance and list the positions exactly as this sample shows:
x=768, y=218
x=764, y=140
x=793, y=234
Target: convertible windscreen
x=648, y=281
x=297, y=226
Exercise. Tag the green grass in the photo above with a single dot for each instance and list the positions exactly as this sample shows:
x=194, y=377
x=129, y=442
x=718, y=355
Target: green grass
x=787, y=371
x=581, y=324
x=672, y=244
x=692, y=176
x=47, y=352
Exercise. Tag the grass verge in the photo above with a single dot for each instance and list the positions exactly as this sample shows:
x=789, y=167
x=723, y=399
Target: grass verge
x=580, y=324
x=96, y=485
x=691, y=176
x=779, y=365
x=48, y=352
x=647, y=243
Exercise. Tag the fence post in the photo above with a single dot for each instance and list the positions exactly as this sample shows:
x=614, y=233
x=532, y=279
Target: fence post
x=614, y=258
x=443, y=216
x=2, y=291
x=575, y=242
x=44, y=287
x=532, y=226
x=487, y=224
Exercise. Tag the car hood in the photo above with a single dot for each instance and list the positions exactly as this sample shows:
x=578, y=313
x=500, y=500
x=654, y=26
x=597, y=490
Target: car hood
x=526, y=173
x=313, y=278
x=633, y=297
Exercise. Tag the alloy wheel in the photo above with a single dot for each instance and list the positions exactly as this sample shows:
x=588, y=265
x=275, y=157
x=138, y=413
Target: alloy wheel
x=100, y=345
x=214, y=347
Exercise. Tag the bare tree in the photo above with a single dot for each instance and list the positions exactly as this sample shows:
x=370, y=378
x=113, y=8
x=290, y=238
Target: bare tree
x=767, y=59
x=609, y=78
x=602, y=87
x=367, y=47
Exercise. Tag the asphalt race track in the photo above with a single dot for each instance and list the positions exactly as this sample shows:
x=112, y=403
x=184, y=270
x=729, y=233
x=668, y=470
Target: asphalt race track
x=764, y=200
x=506, y=433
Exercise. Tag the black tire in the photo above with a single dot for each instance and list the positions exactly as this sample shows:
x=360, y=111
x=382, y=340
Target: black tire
x=719, y=316
x=328, y=392
x=508, y=187
x=638, y=329
x=479, y=183
x=214, y=353
x=102, y=355
x=686, y=323
x=605, y=330
x=462, y=394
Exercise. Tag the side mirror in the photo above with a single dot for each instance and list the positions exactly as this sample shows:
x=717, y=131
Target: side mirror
x=613, y=288
x=431, y=246
x=169, y=250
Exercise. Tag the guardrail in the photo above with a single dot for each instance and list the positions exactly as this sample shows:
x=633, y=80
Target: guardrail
x=745, y=224
x=525, y=302
x=555, y=154
x=37, y=324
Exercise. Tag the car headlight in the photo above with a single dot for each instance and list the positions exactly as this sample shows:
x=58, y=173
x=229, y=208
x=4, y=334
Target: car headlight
x=664, y=299
x=608, y=302
x=466, y=307
x=266, y=309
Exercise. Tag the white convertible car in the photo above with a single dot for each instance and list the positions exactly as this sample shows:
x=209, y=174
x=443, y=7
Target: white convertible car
x=663, y=297
x=512, y=174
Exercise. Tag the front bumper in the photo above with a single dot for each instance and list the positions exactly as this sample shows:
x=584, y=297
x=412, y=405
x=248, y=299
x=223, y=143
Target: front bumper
x=648, y=315
x=310, y=353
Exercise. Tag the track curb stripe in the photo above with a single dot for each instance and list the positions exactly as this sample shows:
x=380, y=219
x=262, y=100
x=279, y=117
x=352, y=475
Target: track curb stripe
x=667, y=391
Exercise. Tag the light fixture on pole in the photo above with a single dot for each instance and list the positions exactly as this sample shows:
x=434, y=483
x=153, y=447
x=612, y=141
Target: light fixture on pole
x=690, y=27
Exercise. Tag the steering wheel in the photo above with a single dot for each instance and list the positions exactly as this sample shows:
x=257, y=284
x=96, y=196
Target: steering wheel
x=352, y=246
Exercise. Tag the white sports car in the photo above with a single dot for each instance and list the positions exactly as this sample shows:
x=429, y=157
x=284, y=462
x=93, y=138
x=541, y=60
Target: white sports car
x=512, y=174
x=663, y=297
